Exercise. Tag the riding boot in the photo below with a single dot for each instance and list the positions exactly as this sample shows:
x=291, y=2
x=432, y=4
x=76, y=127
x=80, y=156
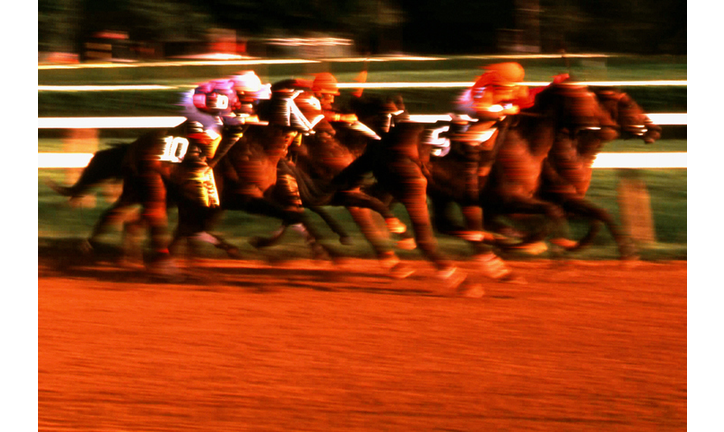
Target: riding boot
x=472, y=212
x=198, y=179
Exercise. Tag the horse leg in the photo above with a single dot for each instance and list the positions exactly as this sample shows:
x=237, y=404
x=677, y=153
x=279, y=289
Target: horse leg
x=555, y=223
x=587, y=209
x=292, y=217
x=262, y=242
x=413, y=195
x=131, y=238
x=406, y=239
x=153, y=201
x=388, y=259
x=361, y=199
x=333, y=224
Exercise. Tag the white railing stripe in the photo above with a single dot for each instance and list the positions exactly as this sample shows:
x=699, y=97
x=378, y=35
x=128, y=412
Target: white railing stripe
x=661, y=119
x=108, y=122
x=650, y=160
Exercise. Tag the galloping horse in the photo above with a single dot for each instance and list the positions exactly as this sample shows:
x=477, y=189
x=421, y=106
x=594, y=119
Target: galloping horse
x=395, y=163
x=568, y=174
x=152, y=168
x=560, y=110
x=317, y=158
x=509, y=171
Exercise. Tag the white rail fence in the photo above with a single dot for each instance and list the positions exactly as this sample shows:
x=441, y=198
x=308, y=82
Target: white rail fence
x=80, y=160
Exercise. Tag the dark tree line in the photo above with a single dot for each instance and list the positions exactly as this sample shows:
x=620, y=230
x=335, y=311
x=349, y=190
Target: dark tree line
x=379, y=26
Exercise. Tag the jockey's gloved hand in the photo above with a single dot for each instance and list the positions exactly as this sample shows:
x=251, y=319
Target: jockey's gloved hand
x=233, y=125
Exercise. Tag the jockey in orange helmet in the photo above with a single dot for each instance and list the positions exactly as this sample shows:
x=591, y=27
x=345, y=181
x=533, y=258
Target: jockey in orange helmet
x=325, y=89
x=496, y=94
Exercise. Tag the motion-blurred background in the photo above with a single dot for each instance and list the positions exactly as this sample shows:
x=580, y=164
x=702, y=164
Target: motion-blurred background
x=134, y=29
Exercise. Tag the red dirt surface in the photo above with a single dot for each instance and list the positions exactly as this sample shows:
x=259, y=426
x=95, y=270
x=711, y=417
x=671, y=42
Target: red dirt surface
x=304, y=346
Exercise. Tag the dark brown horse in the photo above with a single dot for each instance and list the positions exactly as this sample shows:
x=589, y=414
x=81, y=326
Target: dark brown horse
x=247, y=180
x=561, y=110
x=568, y=173
x=153, y=176
x=316, y=160
x=395, y=163
x=509, y=171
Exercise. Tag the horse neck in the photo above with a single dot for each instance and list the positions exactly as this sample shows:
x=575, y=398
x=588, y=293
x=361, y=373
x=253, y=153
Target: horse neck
x=355, y=143
x=257, y=147
x=588, y=147
x=539, y=131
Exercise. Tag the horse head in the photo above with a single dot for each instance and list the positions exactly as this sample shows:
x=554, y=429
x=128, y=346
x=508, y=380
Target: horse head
x=628, y=115
x=576, y=109
x=379, y=113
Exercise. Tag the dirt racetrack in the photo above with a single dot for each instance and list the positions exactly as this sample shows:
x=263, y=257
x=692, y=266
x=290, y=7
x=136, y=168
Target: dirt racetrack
x=303, y=346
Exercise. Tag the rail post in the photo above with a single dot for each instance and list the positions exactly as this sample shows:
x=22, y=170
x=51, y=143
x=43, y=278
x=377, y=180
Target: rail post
x=635, y=206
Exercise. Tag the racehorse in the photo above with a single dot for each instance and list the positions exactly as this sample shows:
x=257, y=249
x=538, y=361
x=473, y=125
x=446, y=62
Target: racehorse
x=567, y=176
x=316, y=159
x=395, y=164
x=245, y=175
x=153, y=167
x=509, y=170
x=560, y=110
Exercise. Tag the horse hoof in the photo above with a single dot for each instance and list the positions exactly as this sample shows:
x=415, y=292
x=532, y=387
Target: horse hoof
x=395, y=226
x=536, y=248
x=494, y=267
x=258, y=242
x=450, y=279
x=407, y=244
x=564, y=243
x=630, y=262
x=471, y=236
x=471, y=290
x=165, y=267
x=388, y=260
x=401, y=271
x=233, y=252
x=86, y=247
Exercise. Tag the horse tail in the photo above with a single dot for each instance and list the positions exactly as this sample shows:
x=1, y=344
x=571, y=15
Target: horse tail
x=105, y=165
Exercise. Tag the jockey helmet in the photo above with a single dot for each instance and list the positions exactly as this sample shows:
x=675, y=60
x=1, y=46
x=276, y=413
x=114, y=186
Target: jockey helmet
x=246, y=82
x=505, y=74
x=325, y=83
x=248, y=87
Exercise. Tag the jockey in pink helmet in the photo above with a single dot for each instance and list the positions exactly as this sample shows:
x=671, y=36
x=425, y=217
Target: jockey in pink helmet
x=218, y=113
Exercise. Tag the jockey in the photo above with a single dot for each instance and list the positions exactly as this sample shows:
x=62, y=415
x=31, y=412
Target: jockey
x=220, y=113
x=496, y=94
x=325, y=89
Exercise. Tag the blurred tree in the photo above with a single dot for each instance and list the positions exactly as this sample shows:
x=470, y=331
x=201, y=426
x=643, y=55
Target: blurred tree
x=637, y=26
x=378, y=26
x=455, y=26
x=58, y=25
